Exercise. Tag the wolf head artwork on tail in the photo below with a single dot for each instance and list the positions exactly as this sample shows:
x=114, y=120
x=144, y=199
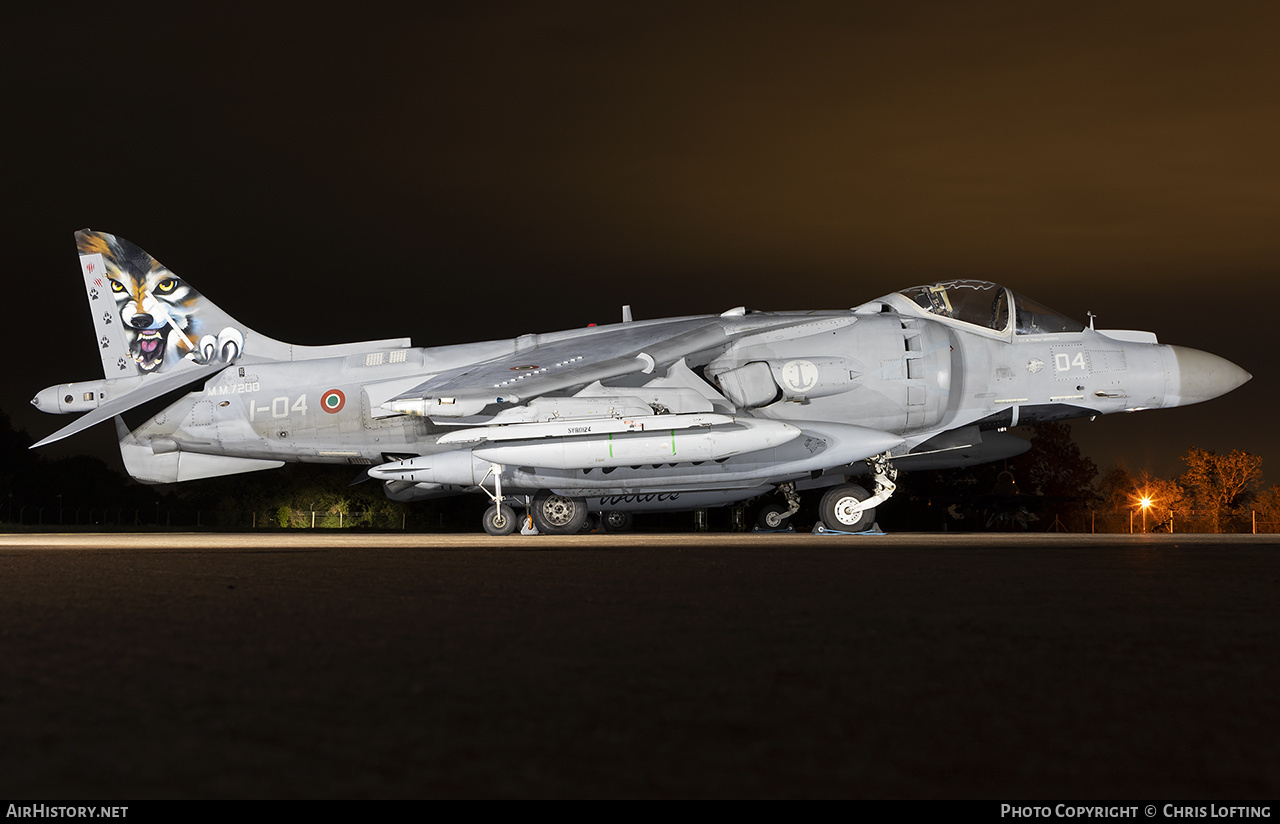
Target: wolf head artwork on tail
x=163, y=320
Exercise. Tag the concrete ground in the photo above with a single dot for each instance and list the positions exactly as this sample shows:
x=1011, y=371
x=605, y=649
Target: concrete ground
x=904, y=666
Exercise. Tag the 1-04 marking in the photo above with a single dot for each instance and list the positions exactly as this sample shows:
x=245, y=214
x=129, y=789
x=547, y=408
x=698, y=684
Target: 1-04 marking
x=331, y=401
x=279, y=408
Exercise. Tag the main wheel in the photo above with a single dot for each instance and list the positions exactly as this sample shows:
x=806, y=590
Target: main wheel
x=842, y=509
x=772, y=516
x=616, y=521
x=499, y=520
x=558, y=514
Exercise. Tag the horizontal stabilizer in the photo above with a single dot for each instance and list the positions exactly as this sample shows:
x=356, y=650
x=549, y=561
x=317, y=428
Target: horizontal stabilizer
x=149, y=390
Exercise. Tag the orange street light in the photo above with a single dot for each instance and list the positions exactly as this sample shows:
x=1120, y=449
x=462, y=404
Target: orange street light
x=1145, y=503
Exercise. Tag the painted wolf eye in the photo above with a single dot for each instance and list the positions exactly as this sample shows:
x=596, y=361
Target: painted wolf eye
x=116, y=286
x=167, y=285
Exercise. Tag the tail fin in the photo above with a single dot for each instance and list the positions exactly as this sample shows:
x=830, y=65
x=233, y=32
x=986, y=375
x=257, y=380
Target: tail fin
x=157, y=334
x=149, y=321
x=154, y=332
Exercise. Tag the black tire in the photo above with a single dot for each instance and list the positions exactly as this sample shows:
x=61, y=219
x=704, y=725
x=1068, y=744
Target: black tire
x=558, y=514
x=500, y=520
x=616, y=521
x=841, y=509
x=772, y=516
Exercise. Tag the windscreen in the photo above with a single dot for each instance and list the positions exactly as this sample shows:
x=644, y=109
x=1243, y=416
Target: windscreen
x=1034, y=319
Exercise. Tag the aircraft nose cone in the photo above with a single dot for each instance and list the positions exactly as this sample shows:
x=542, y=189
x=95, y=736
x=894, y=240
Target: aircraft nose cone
x=1202, y=376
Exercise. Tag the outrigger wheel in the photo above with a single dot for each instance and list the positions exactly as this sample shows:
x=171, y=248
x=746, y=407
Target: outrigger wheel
x=773, y=516
x=616, y=521
x=843, y=509
x=558, y=514
x=499, y=519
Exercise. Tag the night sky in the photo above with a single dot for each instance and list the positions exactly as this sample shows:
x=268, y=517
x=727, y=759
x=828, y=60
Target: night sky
x=463, y=172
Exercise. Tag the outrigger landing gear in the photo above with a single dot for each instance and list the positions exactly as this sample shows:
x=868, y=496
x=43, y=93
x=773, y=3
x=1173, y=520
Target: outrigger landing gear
x=499, y=519
x=850, y=508
x=774, y=516
x=615, y=520
x=551, y=514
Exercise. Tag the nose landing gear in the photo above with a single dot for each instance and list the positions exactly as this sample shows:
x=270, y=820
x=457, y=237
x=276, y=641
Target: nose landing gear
x=850, y=508
x=844, y=508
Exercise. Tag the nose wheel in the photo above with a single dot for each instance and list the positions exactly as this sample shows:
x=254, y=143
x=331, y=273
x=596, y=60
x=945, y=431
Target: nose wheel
x=851, y=508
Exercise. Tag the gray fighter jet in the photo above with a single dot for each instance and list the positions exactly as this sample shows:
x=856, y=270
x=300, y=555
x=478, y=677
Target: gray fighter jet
x=673, y=414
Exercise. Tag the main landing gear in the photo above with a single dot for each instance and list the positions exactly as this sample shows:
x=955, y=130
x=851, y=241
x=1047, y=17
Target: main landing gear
x=558, y=514
x=844, y=508
x=552, y=514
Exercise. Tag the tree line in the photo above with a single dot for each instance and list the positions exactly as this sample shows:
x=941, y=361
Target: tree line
x=1059, y=488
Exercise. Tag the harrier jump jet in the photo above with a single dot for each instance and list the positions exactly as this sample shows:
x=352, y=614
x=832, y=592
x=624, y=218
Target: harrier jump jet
x=673, y=414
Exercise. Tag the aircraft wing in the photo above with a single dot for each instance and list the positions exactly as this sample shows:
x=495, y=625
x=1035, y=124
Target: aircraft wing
x=543, y=368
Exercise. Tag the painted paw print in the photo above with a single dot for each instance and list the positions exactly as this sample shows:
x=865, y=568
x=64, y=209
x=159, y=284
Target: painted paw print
x=120, y=363
x=93, y=294
x=105, y=342
x=106, y=318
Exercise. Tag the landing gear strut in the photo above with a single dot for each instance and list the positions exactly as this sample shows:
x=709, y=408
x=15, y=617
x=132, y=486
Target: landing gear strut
x=774, y=516
x=498, y=519
x=850, y=508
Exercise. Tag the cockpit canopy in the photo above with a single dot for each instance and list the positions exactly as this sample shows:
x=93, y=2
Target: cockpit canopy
x=987, y=305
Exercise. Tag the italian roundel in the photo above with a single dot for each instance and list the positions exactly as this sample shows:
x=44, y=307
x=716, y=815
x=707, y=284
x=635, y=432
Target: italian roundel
x=333, y=400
